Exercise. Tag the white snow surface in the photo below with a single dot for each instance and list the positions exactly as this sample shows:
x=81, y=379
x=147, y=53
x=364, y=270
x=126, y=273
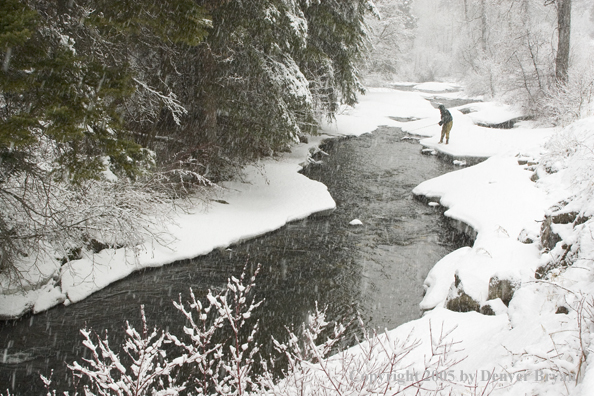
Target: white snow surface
x=376, y=108
x=470, y=140
x=437, y=87
x=497, y=198
x=500, y=201
x=490, y=113
x=271, y=194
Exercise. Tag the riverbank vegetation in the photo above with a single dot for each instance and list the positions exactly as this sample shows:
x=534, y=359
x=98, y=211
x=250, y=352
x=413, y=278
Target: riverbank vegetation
x=202, y=359
x=109, y=110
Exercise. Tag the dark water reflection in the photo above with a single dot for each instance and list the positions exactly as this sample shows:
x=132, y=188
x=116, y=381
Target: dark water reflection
x=377, y=268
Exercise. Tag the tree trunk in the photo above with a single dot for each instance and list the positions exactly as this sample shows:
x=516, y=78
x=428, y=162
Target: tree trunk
x=525, y=13
x=483, y=26
x=465, y=10
x=564, y=27
x=208, y=96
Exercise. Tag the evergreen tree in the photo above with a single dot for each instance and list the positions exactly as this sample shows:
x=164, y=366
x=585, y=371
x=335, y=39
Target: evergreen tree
x=336, y=43
x=405, y=8
x=57, y=97
x=87, y=86
x=254, y=97
x=67, y=79
x=265, y=73
x=69, y=75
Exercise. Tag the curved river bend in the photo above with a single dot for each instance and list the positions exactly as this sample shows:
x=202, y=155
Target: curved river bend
x=377, y=268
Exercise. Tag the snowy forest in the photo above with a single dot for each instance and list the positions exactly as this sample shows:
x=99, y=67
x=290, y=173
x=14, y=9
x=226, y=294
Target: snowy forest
x=109, y=109
x=533, y=53
x=116, y=116
x=112, y=109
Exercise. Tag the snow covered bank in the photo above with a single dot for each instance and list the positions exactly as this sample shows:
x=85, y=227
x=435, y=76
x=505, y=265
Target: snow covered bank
x=271, y=194
x=437, y=87
x=543, y=322
x=528, y=330
x=467, y=139
x=499, y=201
x=490, y=113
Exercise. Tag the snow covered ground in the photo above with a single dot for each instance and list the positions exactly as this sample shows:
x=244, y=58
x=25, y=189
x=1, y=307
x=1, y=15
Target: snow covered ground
x=271, y=194
x=539, y=343
x=467, y=139
x=380, y=106
x=542, y=337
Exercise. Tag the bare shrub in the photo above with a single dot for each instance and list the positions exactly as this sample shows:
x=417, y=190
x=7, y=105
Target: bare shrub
x=45, y=217
x=204, y=360
x=561, y=104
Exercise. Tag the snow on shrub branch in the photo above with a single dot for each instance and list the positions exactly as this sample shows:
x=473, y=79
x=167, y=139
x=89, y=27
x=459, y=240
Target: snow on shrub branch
x=570, y=154
x=217, y=353
x=170, y=101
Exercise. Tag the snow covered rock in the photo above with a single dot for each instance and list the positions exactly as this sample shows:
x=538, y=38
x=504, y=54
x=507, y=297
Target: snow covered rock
x=356, y=222
x=561, y=226
x=528, y=237
x=548, y=238
x=458, y=300
x=494, y=307
x=503, y=289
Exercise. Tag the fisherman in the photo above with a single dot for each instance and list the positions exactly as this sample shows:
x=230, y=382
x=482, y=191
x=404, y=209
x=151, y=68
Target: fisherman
x=446, y=123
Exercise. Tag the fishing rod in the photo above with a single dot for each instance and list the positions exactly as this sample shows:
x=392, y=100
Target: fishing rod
x=423, y=127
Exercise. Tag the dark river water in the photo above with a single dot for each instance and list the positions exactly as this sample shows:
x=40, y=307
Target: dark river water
x=377, y=269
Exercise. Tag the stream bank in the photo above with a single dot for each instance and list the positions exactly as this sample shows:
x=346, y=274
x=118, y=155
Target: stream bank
x=377, y=268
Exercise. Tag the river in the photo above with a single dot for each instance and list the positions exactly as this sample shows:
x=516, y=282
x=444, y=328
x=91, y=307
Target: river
x=376, y=268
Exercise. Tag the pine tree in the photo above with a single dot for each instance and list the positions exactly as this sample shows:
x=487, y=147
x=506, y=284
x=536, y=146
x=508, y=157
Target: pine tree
x=56, y=97
x=246, y=95
x=269, y=69
x=336, y=43
x=153, y=40
x=263, y=98
x=69, y=76
x=87, y=86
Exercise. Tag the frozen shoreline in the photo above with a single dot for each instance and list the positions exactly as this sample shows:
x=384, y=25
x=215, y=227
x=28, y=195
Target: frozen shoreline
x=498, y=198
x=270, y=195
